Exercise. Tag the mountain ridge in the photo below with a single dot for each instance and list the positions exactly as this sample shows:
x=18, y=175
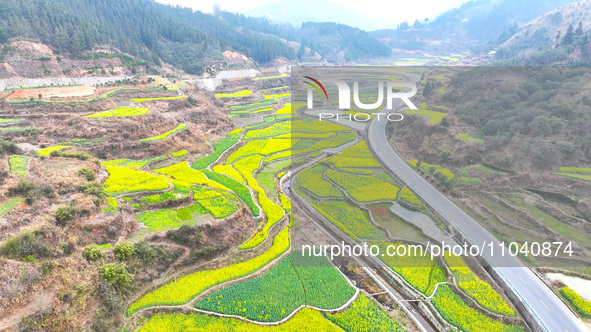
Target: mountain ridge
x=297, y=12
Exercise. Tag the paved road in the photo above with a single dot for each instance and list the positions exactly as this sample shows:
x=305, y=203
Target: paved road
x=552, y=314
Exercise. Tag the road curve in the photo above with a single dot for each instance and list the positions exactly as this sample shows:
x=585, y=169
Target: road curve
x=551, y=313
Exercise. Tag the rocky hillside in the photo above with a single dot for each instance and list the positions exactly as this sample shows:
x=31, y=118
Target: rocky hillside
x=26, y=59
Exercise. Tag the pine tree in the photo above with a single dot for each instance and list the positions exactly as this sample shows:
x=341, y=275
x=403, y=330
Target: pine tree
x=585, y=40
x=428, y=88
x=301, y=50
x=3, y=36
x=579, y=31
x=569, y=36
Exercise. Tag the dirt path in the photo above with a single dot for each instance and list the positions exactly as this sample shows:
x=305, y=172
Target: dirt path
x=41, y=301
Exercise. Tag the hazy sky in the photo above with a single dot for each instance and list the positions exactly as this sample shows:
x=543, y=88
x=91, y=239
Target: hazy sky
x=391, y=10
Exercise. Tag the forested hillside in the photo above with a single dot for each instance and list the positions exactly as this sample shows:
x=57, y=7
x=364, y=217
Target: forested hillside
x=559, y=37
x=188, y=40
x=146, y=29
x=331, y=38
x=522, y=118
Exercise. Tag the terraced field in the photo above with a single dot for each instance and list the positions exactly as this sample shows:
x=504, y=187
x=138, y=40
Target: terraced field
x=170, y=195
x=419, y=271
x=166, y=219
x=295, y=281
x=257, y=105
x=304, y=320
x=130, y=163
x=581, y=306
x=11, y=121
x=219, y=147
x=351, y=220
x=165, y=135
x=237, y=187
x=125, y=180
x=214, y=202
x=364, y=315
x=363, y=188
x=261, y=147
x=179, y=154
x=237, y=94
x=246, y=166
x=356, y=156
x=181, y=189
x=157, y=98
x=312, y=180
x=18, y=164
x=433, y=116
x=9, y=205
x=47, y=151
x=251, y=166
x=454, y=310
x=408, y=196
x=185, y=288
x=477, y=289
x=577, y=173
x=267, y=175
x=269, y=77
x=114, y=92
x=119, y=112
x=182, y=172
x=265, y=149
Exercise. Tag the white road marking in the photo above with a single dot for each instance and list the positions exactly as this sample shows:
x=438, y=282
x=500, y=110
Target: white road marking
x=522, y=279
x=544, y=305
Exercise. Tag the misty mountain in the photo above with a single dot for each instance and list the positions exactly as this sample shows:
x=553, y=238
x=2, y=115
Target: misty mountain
x=475, y=25
x=297, y=12
x=339, y=42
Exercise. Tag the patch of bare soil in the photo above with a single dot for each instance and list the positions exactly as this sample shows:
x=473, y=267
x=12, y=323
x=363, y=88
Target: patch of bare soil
x=41, y=301
x=62, y=91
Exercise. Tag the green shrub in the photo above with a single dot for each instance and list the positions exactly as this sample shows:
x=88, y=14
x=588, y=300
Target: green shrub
x=145, y=252
x=63, y=215
x=31, y=132
x=23, y=245
x=116, y=275
x=23, y=187
x=93, y=252
x=31, y=191
x=185, y=235
x=87, y=173
x=67, y=248
x=8, y=147
x=124, y=250
x=94, y=189
x=66, y=154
